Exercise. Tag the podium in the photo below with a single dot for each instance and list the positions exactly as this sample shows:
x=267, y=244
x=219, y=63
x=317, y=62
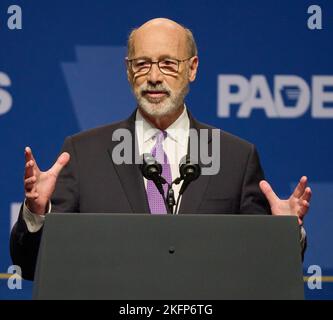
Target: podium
x=169, y=257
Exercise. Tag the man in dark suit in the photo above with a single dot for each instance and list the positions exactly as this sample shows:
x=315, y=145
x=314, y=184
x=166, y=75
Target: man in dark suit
x=87, y=177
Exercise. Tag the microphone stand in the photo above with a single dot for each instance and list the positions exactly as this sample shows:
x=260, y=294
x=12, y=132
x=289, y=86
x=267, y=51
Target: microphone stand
x=177, y=181
x=169, y=200
x=171, y=196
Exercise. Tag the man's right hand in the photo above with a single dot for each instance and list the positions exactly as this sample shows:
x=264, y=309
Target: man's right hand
x=39, y=185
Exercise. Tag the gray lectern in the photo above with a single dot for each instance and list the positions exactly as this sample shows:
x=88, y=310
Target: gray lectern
x=169, y=257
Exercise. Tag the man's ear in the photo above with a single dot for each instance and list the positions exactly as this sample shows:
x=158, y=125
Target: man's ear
x=194, y=63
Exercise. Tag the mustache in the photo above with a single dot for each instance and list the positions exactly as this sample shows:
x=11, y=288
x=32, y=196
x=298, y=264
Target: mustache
x=158, y=88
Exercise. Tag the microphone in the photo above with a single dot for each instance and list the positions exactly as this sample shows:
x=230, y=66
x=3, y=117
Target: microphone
x=189, y=172
x=152, y=170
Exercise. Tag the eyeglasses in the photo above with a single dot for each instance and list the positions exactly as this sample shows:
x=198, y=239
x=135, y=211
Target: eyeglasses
x=168, y=66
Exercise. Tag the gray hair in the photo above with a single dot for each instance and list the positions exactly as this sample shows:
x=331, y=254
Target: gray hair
x=191, y=44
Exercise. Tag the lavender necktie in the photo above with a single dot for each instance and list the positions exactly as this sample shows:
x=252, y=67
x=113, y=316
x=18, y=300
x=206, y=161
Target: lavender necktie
x=155, y=199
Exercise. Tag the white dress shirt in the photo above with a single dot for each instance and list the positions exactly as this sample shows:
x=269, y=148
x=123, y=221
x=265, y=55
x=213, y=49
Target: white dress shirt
x=174, y=145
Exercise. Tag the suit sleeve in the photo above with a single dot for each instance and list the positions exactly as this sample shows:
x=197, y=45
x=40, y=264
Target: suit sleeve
x=24, y=245
x=253, y=200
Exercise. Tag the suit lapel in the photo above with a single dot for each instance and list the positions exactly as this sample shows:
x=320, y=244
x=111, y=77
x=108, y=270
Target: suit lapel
x=130, y=175
x=194, y=193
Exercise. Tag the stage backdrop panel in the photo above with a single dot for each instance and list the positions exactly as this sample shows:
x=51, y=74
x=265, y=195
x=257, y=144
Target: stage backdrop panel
x=265, y=74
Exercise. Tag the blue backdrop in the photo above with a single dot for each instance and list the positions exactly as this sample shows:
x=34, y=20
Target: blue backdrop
x=263, y=75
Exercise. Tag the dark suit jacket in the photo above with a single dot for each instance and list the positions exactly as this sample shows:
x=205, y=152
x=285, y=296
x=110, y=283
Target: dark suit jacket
x=92, y=182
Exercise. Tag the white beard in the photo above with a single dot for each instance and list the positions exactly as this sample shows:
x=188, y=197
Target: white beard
x=168, y=105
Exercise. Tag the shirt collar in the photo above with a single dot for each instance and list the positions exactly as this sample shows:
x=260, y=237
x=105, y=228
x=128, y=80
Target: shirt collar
x=178, y=131
x=146, y=129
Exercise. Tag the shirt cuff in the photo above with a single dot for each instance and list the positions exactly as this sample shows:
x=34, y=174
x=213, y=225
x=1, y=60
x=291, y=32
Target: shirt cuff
x=33, y=221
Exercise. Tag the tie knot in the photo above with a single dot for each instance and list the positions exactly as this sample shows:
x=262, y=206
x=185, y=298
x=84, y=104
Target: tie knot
x=160, y=136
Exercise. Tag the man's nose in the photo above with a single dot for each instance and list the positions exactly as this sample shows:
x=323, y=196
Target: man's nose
x=155, y=75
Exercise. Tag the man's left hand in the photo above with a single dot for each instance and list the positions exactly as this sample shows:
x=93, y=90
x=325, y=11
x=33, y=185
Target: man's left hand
x=297, y=204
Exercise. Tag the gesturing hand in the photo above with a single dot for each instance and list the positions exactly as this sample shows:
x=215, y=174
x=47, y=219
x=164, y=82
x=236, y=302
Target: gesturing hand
x=39, y=185
x=297, y=204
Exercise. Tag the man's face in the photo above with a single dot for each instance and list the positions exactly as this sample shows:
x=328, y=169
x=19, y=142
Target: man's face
x=160, y=94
